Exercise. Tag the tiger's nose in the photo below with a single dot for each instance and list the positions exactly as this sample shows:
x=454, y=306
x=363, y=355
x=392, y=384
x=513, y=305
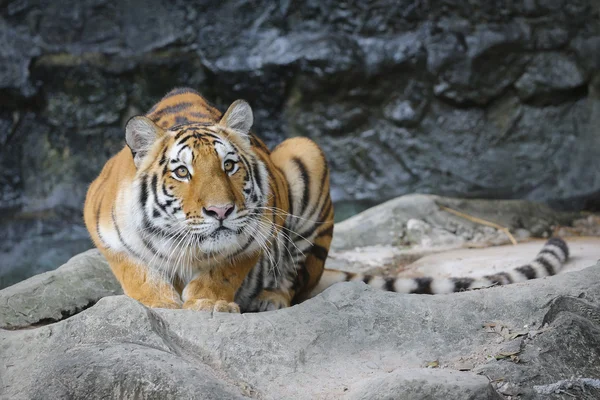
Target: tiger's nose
x=219, y=212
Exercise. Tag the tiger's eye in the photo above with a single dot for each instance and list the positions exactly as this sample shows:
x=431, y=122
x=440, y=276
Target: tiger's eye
x=182, y=172
x=228, y=165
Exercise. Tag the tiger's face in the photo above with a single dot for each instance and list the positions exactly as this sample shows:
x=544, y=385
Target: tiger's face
x=200, y=181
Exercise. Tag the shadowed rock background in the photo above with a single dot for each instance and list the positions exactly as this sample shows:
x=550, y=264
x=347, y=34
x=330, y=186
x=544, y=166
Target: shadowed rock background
x=488, y=99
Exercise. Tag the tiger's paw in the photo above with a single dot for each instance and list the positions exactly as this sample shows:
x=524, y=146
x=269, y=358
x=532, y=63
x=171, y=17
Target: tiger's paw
x=271, y=301
x=212, y=305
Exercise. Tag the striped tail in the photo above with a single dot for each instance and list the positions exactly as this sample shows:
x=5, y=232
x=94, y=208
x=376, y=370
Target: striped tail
x=548, y=262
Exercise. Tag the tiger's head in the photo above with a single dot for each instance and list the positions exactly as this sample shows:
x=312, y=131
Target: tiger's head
x=199, y=180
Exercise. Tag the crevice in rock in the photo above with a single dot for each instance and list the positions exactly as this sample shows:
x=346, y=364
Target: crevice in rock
x=65, y=314
x=557, y=97
x=573, y=305
x=193, y=353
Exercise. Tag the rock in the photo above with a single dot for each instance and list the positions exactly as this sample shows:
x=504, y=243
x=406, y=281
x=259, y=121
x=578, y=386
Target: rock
x=349, y=342
x=549, y=73
x=426, y=384
x=420, y=221
x=18, y=49
x=56, y=295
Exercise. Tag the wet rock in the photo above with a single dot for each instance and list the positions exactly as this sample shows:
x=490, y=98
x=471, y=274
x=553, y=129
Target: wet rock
x=18, y=49
x=548, y=73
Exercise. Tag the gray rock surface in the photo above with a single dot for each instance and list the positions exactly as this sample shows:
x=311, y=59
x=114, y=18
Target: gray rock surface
x=349, y=342
x=58, y=294
x=421, y=220
x=425, y=384
x=462, y=98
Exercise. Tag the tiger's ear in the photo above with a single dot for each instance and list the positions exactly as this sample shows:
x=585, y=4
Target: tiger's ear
x=140, y=135
x=238, y=117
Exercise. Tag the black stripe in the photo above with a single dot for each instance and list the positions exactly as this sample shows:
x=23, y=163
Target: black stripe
x=320, y=252
x=154, y=185
x=181, y=133
x=423, y=285
x=326, y=232
x=163, y=158
x=302, y=278
x=506, y=277
x=185, y=146
x=255, y=141
x=461, y=284
x=257, y=177
x=109, y=167
x=257, y=275
x=367, y=278
x=290, y=200
x=561, y=244
x=325, y=211
x=217, y=137
x=495, y=279
x=98, y=224
x=185, y=139
x=247, y=245
x=144, y=192
x=549, y=268
x=251, y=173
x=164, y=190
x=527, y=270
x=559, y=257
x=151, y=247
x=317, y=207
x=127, y=247
x=315, y=226
x=197, y=114
x=389, y=284
x=306, y=180
x=180, y=120
x=171, y=109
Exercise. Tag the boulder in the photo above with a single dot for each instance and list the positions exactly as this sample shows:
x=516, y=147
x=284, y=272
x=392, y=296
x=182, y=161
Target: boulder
x=55, y=295
x=349, y=342
x=427, y=221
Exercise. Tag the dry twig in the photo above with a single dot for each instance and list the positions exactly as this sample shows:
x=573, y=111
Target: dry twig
x=481, y=221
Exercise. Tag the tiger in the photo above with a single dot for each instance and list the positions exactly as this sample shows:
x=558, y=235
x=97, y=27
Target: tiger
x=195, y=212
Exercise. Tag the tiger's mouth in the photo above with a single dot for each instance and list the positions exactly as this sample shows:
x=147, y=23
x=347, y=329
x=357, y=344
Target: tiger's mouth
x=222, y=230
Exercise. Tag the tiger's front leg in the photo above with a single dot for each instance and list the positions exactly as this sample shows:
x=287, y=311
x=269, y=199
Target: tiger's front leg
x=214, y=290
x=137, y=284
